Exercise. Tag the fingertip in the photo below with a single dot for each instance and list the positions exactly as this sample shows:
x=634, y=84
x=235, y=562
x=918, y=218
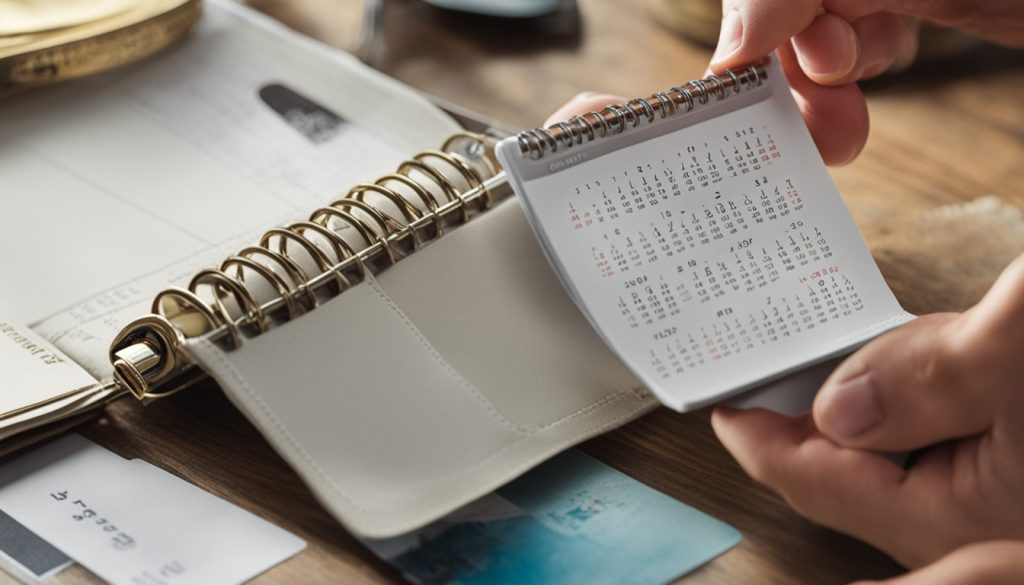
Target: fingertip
x=758, y=438
x=836, y=116
x=751, y=29
x=828, y=50
x=999, y=317
x=730, y=40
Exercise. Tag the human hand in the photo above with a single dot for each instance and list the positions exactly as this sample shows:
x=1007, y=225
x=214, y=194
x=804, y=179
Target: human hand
x=835, y=43
x=999, y=562
x=951, y=383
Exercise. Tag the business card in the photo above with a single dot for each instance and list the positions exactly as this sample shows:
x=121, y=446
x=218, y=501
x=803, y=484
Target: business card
x=132, y=523
x=572, y=521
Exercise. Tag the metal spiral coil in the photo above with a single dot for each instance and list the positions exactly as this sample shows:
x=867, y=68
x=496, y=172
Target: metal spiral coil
x=422, y=191
x=615, y=119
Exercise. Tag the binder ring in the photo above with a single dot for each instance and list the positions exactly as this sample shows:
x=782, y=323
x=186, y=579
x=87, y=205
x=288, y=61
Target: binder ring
x=295, y=273
x=184, y=297
x=322, y=261
x=468, y=173
x=584, y=125
x=664, y=104
x=685, y=94
x=645, y=106
x=217, y=279
x=528, y=143
x=384, y=222
x=323, y=217
x=425, y=196
x=342, y=249
x=215, y=316
x=478, y=142
x=447, y=187
x=568, y=134
x=618, y=117
x=702, y=91
x=241, y=262
x=547, y=137
x=602, y=122
x=409, y=211
x=735, y=80
x=755, y=73
x=720, y=85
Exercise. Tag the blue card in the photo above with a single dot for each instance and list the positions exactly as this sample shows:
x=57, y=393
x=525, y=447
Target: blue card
x=572, y=520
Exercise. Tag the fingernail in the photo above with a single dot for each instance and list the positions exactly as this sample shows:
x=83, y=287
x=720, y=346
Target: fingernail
x=826, y=52
x=851, y=407
x=731, y=37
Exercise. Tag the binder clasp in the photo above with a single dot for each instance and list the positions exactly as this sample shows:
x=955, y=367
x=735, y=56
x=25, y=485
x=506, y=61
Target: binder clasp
x=145, y=354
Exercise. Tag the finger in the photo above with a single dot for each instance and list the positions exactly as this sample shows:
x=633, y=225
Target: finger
x=993, y=563
x=904, y=390
x=996, y=20
x=836, y=116
x=887, y=41
x=832, y=51
x=828, y=50
x=997, y=322
x=856, y=492
x=753, y=28
x=581, y=104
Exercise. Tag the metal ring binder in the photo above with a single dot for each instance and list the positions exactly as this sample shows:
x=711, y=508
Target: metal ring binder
x=219, y=303
x=618, y=118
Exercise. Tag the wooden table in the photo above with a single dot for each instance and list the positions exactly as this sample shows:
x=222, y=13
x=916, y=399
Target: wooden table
x=947, y=133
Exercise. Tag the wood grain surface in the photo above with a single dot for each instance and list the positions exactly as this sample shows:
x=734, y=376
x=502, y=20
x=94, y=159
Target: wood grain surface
x=945, y=133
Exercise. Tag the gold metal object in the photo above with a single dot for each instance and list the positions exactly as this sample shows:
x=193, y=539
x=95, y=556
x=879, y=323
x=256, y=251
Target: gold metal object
x=91, y=47
x=147, y=355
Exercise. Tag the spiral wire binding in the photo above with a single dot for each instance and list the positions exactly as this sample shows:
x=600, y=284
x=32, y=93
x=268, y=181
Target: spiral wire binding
x=616, y=119
x=152, y=343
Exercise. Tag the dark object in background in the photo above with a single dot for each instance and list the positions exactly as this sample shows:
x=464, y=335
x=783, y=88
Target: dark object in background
x=552, y=18
x=506, y=9
x=309, y=118
x=544, y=22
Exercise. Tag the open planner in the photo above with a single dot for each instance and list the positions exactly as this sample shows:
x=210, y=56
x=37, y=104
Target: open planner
x=402, y=341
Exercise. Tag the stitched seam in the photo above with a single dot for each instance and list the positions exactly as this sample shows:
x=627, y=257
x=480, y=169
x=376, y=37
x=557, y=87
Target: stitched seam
x=440, y=360
x=285, y=434
x=472, y=388
x=281, y=430
x=559, y=445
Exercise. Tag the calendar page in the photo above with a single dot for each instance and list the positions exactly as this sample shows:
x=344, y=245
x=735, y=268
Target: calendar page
x=709, y=249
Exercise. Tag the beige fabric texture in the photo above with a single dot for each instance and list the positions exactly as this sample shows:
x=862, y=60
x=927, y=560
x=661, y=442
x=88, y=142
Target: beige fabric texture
x=407, y=396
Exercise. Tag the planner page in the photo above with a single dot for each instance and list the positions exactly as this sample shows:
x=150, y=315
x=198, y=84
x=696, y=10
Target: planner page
x=710, y=248
x=118, y=186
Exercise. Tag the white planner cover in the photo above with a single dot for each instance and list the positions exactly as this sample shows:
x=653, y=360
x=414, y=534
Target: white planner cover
x=420, y=390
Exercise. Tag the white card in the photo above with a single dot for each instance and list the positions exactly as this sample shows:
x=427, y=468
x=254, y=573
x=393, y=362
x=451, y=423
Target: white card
x=135, y=524
x=32, y=370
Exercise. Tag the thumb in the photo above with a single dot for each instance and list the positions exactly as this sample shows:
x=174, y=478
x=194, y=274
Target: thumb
x=935, y=379
x=997, y=562
x=902, y=391
x=753, y=28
